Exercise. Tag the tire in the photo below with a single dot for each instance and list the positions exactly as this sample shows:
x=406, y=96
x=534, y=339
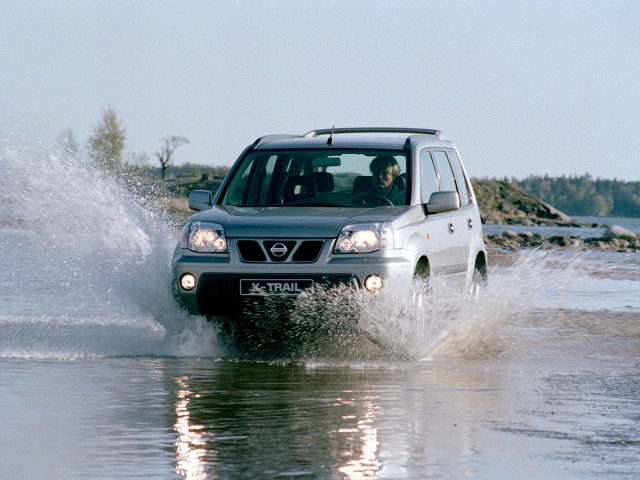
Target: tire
x=478, y=283
x=422, y=285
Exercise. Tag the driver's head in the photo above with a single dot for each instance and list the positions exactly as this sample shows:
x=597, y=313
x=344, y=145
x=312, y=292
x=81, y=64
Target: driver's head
x=384, y=170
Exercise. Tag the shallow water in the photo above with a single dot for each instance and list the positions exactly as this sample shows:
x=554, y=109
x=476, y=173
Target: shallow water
x=589, y=231
x=103, y=376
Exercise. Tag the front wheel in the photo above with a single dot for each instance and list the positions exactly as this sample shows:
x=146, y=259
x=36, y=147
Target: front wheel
x=478, y=283
x=421, y=285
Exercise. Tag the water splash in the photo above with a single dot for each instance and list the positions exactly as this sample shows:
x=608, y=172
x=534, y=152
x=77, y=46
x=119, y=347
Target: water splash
x=85, y=272
x=85, y=260
x=409, y=321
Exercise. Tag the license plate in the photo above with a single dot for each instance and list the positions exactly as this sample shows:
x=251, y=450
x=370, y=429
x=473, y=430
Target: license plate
x=274, y=287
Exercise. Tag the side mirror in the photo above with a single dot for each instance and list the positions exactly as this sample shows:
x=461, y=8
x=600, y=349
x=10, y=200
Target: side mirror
x=200, y=200
x=441, y=202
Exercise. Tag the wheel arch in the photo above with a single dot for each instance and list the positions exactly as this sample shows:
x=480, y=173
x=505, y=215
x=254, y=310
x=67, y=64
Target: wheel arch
x=481, y=263
x=422, y=268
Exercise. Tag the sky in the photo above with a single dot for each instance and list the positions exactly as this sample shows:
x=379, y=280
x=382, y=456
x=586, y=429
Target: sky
x=522, y=88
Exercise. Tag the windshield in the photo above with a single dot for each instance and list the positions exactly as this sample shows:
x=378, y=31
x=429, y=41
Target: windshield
x=319, y=178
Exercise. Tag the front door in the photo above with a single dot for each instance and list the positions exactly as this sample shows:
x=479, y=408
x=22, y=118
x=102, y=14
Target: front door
x=449, y=232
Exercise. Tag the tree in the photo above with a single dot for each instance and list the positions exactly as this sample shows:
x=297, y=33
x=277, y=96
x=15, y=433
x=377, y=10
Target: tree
x=138, y=160
x=165, y=153
x=107, y=142
x=67, y=142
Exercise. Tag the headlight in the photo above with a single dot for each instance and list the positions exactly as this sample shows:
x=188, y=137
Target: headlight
x=364, y=238
x=204, y=237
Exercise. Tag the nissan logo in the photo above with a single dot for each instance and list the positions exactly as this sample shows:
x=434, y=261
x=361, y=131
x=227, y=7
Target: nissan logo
x=278, y=250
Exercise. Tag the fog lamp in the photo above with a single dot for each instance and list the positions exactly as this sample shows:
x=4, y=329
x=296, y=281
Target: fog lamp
x=373, y=283
x=187, y=281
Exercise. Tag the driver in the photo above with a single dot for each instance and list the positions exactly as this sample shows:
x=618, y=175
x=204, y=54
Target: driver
x=385, y=170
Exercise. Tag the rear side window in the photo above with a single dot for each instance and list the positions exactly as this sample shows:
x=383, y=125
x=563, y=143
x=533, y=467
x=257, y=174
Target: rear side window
x=463, y=189
x=445, y=174
x=428, y=179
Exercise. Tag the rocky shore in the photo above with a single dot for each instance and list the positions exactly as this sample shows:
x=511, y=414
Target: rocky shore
x=503, y=203
x=615, y=238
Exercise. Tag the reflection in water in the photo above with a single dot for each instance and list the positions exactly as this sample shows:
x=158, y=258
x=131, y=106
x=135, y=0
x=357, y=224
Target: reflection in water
x=258, y=420
x=367, y=464
x=281, y=419
x=191, y=445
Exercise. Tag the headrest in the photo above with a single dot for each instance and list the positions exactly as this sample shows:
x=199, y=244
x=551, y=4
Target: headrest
x=298, y=187
x=324, y=181
x=362, y=184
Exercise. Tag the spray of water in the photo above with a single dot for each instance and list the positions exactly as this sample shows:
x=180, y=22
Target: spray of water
x=409, y=321
x=85, y=260
x=85, y=271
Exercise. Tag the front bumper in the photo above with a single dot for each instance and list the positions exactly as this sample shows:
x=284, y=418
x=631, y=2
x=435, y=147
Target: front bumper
x=225, y=294
x=221, y=281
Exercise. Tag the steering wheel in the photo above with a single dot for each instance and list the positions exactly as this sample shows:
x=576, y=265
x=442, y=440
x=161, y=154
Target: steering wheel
x=364, y=199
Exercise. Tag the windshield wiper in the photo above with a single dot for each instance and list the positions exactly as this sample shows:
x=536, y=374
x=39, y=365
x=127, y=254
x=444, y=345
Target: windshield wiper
x=312, y=204
x=305, y=204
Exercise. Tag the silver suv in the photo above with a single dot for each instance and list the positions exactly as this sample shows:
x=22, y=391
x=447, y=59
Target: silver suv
x=341, y=206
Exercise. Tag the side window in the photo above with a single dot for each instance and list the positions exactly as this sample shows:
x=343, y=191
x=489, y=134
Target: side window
x=445, y=174
x=463, y=189
x=266, y=181
x=250, y=184
x=236, y=191
x=428, y=180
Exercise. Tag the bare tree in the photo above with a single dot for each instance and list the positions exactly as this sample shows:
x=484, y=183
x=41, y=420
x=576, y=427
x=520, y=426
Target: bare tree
x=165, y=153
x=107, y=142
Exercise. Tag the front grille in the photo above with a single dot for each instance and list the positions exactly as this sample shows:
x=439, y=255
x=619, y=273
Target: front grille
x=298, y=251
x=308, y=251
x=251, y=251
x=279, y=251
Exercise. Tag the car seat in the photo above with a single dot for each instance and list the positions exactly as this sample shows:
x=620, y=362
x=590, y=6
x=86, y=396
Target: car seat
x=298, y=188
x=324, y=181
x=361, y=184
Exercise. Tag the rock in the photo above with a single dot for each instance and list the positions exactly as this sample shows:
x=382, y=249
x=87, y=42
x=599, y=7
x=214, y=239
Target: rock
x=577, y=242
x=492, y=220
x=504, y=203
x=548, y=211
x=560, y=240
x=618, y=232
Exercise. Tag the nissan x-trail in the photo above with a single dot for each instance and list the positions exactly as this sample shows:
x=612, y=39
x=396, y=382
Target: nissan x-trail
x=350, y=207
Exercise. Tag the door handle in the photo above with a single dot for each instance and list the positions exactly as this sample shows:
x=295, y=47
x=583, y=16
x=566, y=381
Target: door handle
x=452, y=228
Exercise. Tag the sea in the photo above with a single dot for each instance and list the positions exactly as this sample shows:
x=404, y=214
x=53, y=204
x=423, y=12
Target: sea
x=104, y=376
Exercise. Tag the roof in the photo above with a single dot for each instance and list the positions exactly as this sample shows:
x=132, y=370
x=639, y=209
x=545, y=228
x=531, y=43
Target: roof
x=389, y=139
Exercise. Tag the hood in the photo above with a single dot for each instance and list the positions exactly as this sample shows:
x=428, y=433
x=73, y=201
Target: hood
x=281, y=222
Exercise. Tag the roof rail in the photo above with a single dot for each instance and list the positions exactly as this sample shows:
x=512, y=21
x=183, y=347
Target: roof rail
x=328, y=131
x=273, y=138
